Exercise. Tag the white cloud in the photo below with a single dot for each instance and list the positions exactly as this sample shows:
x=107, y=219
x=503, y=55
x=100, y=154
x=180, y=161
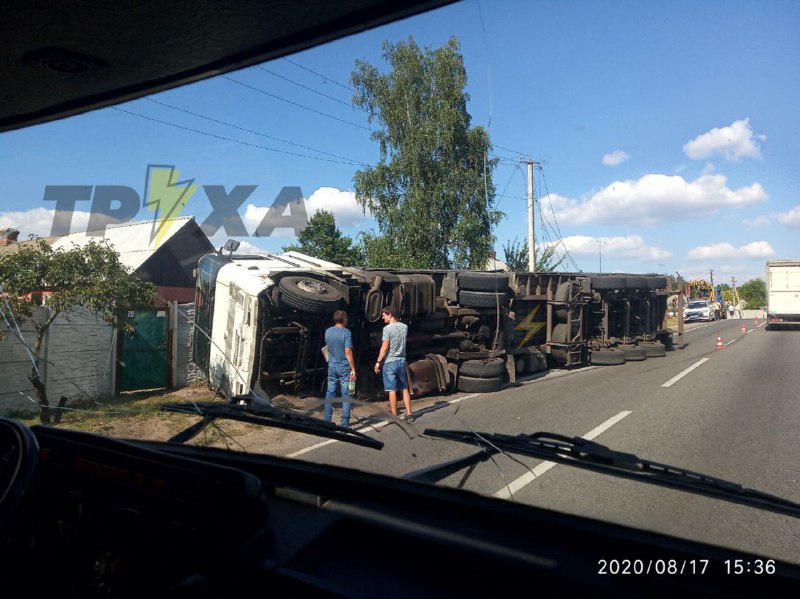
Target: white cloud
x=39, y=222
x=654, y=199
x=735, y=141
x=630, y=247
x=791, y=219
x=616, y=157
x=757, y=222
x=343, y=204
x=757, y=249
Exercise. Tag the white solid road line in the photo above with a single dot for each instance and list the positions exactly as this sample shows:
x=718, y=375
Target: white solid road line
x=679, y=376
x=508, y=491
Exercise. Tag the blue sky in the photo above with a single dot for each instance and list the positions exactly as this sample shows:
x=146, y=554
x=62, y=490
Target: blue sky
x=668, y=132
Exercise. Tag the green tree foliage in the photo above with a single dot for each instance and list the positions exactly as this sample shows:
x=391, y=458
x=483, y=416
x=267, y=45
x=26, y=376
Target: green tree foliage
x=90, y=276
x=754, y=292
x=516, y=257
x=431, y=192
x=322, y=239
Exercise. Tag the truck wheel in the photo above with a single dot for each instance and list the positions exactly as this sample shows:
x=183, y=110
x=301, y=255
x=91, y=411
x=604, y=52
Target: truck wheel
x=633, y=353
x=656, y=282
x=636, y=282
x=483, y=281
x=493, y=367
x=654, y=350
x=606, y=283
x=309, y=295
x=482, y=299
x=473, y=385
x=607, y=357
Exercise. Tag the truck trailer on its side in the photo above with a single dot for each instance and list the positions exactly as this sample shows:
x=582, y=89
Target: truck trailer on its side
x=783, y=293
x=260, y=323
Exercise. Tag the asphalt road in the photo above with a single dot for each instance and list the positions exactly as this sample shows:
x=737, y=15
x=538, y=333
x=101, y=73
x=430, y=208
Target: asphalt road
x=732, y=413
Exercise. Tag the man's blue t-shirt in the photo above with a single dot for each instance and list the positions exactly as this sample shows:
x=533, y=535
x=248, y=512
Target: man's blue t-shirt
x=337, y=339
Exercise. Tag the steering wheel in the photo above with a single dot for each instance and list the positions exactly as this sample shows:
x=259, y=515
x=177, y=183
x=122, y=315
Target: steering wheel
x=19, y=456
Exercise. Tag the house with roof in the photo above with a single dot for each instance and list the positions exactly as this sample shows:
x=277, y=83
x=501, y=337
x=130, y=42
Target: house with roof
x=104, y=362
x=165, y=257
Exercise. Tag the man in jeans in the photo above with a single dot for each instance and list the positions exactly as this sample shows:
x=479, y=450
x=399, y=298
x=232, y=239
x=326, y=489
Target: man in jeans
x=393, y=349
x=341, y=366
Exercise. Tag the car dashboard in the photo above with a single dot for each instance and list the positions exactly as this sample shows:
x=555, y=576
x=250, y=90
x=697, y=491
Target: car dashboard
x=109, y=517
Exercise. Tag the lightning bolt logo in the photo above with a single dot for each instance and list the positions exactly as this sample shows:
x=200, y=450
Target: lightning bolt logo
x=165, y=196
x=530, y=326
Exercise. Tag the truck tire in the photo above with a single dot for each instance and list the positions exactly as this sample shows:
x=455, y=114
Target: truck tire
x=656, y=282
x=309, y=295
x=482, y=299
x=636, y=282
x=563, y=334
x=607, y=357
x=602, y=283
x=654, y=350
x=469, y=384
x=493, y=367
x=633, y=353
x=563, y=292
x=483, y=281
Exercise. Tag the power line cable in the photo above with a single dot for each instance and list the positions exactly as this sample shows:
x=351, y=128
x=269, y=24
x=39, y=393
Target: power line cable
x=232, y=140
x=320, y=75
x=286, y=141
x=555, y=220
x=266, y=93
x=311, y=89
x=509, y=150
x=502, y=195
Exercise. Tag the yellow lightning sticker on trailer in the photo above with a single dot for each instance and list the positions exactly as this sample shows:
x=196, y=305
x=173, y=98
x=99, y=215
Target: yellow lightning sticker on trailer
x=530, y=326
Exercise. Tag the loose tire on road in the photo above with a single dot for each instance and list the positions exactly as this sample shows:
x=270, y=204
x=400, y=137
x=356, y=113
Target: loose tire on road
x=491, y=368
x=483, y=281
x=607, y=357
x=309, y=295
x=470, y=384
x=482, y=299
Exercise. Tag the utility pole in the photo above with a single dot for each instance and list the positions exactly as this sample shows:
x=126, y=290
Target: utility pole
x=735, y=292
x=531, y=238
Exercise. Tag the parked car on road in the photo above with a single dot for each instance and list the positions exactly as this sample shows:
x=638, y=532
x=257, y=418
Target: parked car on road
x=699, y=310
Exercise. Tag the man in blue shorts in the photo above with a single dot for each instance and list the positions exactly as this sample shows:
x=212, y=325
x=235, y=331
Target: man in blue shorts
x=393, y=348
x=341, y=366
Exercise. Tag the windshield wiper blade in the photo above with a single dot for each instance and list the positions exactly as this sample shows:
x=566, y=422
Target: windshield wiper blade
x=244, y=409
x=582, y=453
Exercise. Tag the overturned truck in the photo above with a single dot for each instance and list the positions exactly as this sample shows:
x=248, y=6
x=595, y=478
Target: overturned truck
x=260, y=322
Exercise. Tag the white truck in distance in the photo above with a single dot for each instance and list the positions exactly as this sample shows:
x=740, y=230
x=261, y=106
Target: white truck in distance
x=783, y=293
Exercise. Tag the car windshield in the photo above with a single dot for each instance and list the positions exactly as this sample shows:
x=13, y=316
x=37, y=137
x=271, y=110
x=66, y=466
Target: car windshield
x=479, y=218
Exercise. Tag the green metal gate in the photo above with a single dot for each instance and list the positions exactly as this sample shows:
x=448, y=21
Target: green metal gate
x=143, y=356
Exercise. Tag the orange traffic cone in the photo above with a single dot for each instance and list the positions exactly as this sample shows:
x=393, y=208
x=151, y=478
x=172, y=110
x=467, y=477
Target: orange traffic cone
x=756, y=320
x=719, y=344
x=744, y=328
